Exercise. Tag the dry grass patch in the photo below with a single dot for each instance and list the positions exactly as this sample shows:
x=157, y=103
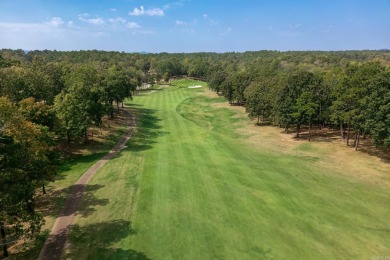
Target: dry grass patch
x=368, y=164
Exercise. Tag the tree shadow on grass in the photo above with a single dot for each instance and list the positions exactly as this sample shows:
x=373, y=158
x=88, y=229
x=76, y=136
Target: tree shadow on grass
x=89, y=201
x=330, y=135
x=382, y=153
x=29, y=249
x=263, y=123
x=387, y=230
x=148, y=130
x=95, y=241
x=69, y=163
x=50, y=205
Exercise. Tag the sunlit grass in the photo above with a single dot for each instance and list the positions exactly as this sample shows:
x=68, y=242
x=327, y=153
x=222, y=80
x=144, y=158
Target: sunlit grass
x=190, y=186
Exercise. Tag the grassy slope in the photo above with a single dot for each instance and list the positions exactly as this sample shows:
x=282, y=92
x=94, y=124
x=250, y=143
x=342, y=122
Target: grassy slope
x=188, y=186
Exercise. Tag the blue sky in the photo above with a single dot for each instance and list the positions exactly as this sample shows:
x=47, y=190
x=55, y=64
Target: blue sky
x=195, y=25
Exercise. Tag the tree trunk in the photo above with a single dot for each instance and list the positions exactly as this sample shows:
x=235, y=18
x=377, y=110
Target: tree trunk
x=3, y=239
x=342, y=133
x=122, y=104
x=86, y=136
x=320, y=118
x=117, y=106
x=309, y=129
x=298, y=130
x=357, y=140
x=29, y=206
x=112, y=109
x=43, y=188
x=68, y=137
x=258, y=119
x=349, y=129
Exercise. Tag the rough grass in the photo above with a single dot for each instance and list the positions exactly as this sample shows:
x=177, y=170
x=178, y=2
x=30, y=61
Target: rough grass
x=197, y=181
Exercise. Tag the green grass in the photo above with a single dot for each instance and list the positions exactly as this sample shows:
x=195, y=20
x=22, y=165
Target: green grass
x=69, y=171
x=188, y=186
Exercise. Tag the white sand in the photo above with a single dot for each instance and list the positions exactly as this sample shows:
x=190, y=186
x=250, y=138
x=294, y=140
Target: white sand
x=196, y=86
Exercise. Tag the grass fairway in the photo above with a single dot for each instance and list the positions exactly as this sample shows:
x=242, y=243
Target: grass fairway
x=192, y=185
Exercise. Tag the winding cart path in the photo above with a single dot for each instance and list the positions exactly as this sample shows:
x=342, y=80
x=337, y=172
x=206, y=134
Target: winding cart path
x=55, y=243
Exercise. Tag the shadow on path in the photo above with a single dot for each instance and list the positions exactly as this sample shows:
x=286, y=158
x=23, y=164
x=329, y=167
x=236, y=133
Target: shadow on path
x=55, y=243
x=95, y=241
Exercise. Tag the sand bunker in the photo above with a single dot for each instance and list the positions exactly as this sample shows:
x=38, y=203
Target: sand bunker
x=195, y=87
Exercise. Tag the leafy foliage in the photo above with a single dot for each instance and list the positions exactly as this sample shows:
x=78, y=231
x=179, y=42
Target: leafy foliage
x=25, y=163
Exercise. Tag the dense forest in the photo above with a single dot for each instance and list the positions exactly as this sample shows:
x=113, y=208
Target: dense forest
x=51, y=97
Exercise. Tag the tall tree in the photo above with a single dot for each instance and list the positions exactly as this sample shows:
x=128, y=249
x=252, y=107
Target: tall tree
x=24, y=165
x=378, y=109
x=216, y=80
x=118, y=85
x=299, y=88
x=349, y=104
x=259, y=99
x=81, y=104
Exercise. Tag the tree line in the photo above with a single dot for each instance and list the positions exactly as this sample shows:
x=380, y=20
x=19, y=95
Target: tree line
x=353, y=97
x=42, y=104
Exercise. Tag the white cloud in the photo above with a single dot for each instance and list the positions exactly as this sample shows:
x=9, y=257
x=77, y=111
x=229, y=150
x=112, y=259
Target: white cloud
x=183, y=23
x=178, y=22
x=94, y=21
x=133, y=25
x=205, y=16
x=113, y=10
x=118, y=20
x=56, y=21
x=32, y=27
x=149, y=12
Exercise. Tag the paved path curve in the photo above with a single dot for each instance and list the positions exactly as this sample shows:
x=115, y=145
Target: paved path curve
x=55, y=243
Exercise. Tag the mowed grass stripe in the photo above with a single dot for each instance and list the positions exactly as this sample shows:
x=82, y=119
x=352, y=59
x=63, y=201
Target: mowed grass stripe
x=215, y=199
x=187, y=175
x=159, y=173
x=181, y=184
x=204, y=193
x=197, y=190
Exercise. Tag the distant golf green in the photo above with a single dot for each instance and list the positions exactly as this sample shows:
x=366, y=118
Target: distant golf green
x=189, y=185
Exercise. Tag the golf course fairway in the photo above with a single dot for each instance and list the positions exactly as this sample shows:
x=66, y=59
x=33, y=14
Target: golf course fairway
x=192, y=183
